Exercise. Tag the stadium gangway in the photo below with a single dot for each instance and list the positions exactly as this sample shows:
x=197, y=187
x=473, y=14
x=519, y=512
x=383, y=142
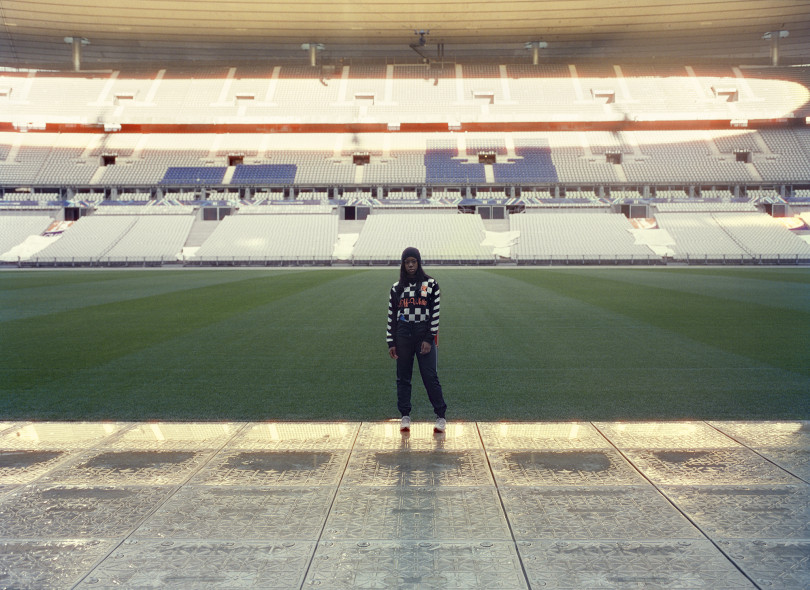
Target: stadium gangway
x=446, y=260
x=590, y=259
x=115, y=261
x=548, y=260
x=135, y=261
x=259, y=261
x=56, y=261
x=743, y=259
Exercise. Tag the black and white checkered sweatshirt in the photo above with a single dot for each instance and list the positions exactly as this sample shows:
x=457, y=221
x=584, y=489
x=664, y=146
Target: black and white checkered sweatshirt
x=419, y=303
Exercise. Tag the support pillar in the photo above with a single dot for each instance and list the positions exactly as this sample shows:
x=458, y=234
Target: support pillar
x=773, y=37
x=313, y=49
x=77, y=54
x=535, y=47
x=76, y=46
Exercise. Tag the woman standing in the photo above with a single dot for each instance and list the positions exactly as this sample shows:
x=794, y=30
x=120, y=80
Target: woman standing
x=413, y=328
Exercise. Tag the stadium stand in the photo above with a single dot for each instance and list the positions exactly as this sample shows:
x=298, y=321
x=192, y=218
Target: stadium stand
x=263, y=239
x=648, y=157
x=704, y=206
x=577, y=238
x=145, y=208
x=399, y=93
x=153, y=238
x=443, y=165
x=444, y=237
x=726, y=237
x=763, y=237
x=531, y=164
x=505, y=144
x=401, y=167
x=16, y=228
x=264, y=173
x=87, y=240
x=193, y=175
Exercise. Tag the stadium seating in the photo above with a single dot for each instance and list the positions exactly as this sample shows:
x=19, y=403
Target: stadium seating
x=577, y=238
x=128, y=235
x=194, y=175
x=399, y=93
x=399, y=168
x=256, y=239
x=145, y=208
x=153, y=238
x=441, y=165
x=732, y=237
x=763, y=237
x=87, y=240
x=531, y=164
x=264, y=174
x=15, y=229
x=443, y=237
x=174, y=160
x=704, y=206
x=707, y=183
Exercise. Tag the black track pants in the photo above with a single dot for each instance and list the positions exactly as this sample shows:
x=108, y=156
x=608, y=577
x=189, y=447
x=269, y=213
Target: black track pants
x=409, y=340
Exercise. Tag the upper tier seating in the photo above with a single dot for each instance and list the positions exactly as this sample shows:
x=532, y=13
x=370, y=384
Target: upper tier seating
x=174, y=160
x=570, y=157
x=441, y=165
x=194, y=175
x=439, y=93
x=264, y=173
x=531, y=164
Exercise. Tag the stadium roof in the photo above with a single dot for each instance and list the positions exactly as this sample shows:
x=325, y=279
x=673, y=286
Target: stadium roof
x=202, y=31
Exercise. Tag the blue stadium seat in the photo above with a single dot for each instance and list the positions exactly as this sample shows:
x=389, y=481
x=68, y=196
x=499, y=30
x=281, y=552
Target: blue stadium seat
x=441, y=166
x=536, y=166
x=194, y=175
x=259, y=173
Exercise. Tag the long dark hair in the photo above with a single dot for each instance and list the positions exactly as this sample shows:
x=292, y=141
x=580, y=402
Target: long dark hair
x=421, y=276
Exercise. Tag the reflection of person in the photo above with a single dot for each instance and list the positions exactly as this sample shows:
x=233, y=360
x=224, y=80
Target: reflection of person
x=413, y=328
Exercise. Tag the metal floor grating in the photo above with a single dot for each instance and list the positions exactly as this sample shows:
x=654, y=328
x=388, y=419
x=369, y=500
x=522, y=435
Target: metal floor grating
x=291, y=505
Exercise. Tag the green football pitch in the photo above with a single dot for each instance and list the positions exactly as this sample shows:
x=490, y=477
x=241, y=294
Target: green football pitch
x=309, y=344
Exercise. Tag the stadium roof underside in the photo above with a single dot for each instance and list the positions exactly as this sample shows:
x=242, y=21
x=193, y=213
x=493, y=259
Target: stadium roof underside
x=34, y=32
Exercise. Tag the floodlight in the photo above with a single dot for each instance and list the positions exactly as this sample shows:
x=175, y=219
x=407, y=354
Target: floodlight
x=422, y=33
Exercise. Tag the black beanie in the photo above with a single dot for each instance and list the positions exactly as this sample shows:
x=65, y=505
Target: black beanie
x=411, y=251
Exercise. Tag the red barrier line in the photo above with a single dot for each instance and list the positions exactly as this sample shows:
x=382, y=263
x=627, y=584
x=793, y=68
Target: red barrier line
x=412, y=127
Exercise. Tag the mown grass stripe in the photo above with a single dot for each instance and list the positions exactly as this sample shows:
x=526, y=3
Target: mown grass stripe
x=764, y=333
x=769, y=274
x=48, y=347
x=517, y=344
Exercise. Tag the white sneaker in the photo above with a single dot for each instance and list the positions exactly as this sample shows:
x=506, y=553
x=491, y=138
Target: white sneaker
x=441, y=425
x=405, y=424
